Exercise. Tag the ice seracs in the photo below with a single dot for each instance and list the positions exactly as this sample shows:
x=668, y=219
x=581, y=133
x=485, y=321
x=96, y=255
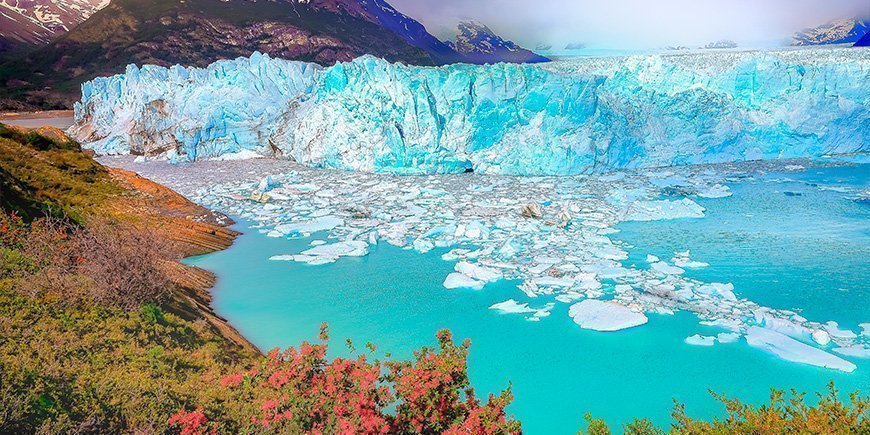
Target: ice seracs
x=573, y=117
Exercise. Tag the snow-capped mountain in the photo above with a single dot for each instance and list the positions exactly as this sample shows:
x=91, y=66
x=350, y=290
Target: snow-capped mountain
x=38, y=21
x=841, y=31
x=411, y=31
x=480, y=44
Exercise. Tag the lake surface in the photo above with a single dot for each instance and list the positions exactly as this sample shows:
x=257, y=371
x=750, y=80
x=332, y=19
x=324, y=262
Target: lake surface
x=785, y=244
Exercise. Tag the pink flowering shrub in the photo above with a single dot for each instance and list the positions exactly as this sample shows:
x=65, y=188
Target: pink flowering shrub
x=300, y=391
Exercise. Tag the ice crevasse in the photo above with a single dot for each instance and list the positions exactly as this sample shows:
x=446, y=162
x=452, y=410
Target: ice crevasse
x=568, y=117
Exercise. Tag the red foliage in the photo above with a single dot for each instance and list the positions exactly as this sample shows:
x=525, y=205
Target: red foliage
x=306, y=393
x=192, y=423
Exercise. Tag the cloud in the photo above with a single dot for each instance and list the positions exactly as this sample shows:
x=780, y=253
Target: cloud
x=634, y=23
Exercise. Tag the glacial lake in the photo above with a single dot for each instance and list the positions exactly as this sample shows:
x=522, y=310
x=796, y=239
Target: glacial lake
x=787, y=244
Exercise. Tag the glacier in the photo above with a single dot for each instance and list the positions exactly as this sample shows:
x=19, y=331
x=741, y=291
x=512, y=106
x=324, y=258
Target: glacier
x=563, y=118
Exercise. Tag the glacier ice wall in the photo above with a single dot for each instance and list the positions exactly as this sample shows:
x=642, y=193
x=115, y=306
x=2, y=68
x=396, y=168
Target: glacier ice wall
x=567, y=117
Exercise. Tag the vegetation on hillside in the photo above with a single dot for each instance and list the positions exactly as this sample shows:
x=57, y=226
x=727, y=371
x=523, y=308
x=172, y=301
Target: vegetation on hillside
x=98, y=336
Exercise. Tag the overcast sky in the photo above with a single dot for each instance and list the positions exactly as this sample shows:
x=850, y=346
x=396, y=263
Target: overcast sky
x=634, y=23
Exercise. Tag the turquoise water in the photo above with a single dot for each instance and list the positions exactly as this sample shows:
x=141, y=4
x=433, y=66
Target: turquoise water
x=806, y=251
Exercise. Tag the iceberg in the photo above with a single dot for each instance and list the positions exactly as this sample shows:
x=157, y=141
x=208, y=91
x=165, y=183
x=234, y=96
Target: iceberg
x=604, y=315
x=568, y=117
x=457, y=280
x=790, y=349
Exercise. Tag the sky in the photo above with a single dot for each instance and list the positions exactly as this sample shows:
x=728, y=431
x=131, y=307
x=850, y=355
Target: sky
x=634, y=23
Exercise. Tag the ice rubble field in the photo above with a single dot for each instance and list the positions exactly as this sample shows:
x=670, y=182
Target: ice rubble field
x=572, y=117
x=550, y=233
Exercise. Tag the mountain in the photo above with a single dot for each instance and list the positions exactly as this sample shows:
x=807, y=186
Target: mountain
x=480, y=44
x=842, y=31
x=864, y=41
x=198, y=32
x=575, y=46
x=35, y=22
x=411, y=31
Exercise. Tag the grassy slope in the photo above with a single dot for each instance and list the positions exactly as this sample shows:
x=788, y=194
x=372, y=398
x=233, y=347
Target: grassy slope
x=70, y=367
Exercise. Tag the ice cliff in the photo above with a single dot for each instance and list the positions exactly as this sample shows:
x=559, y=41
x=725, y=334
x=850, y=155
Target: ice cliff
x=562, y=118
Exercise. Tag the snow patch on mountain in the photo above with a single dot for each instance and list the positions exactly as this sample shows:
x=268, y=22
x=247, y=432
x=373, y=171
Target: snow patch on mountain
x=842, y=31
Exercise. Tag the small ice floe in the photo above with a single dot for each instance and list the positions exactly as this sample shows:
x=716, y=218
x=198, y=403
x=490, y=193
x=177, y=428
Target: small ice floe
x=511, y=306
x=667, y=269
x=714, y=191
x=790, y=349
x=323, y=223
x=681, y=259
x=600, y=315
x=865, y=329
x=458, y=280
x=727, y=337
x=833, y=328
x=717, y=289
x=664, y=210
x=700, y=340
x=267, y=184
x=855, y=350
x=325, y=254
x=478, y=272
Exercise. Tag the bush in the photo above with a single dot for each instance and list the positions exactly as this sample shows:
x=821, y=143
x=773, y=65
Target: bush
x=105, y=263
x=782, y=415
x=299, y=391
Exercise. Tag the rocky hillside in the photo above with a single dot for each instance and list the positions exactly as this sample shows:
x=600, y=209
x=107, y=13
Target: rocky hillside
x=197, y=32
x=33, y=22
x=480, y=44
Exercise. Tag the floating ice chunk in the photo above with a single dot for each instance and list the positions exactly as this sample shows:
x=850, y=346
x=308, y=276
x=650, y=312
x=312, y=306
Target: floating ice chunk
x=714, y=191
x=267, y=184
x=681, y=259
x=667, y=269
x=651, y=258
x=833, y=328
x=324, y=223
x=790, y=349
x=865, y=329
x=700, y=340
x=604, y=315
x=317, y=242
x=478, y=272
x=664, y=209
x=855, y=350
x=423, y=246
x=457, y=280
x=549, y=281
x=313, y=260
x=511, y=306
x=727, y=337
x=821, y=337
x=725, y=291
x=784, y=326
x=324, y=254
x=351, y=248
